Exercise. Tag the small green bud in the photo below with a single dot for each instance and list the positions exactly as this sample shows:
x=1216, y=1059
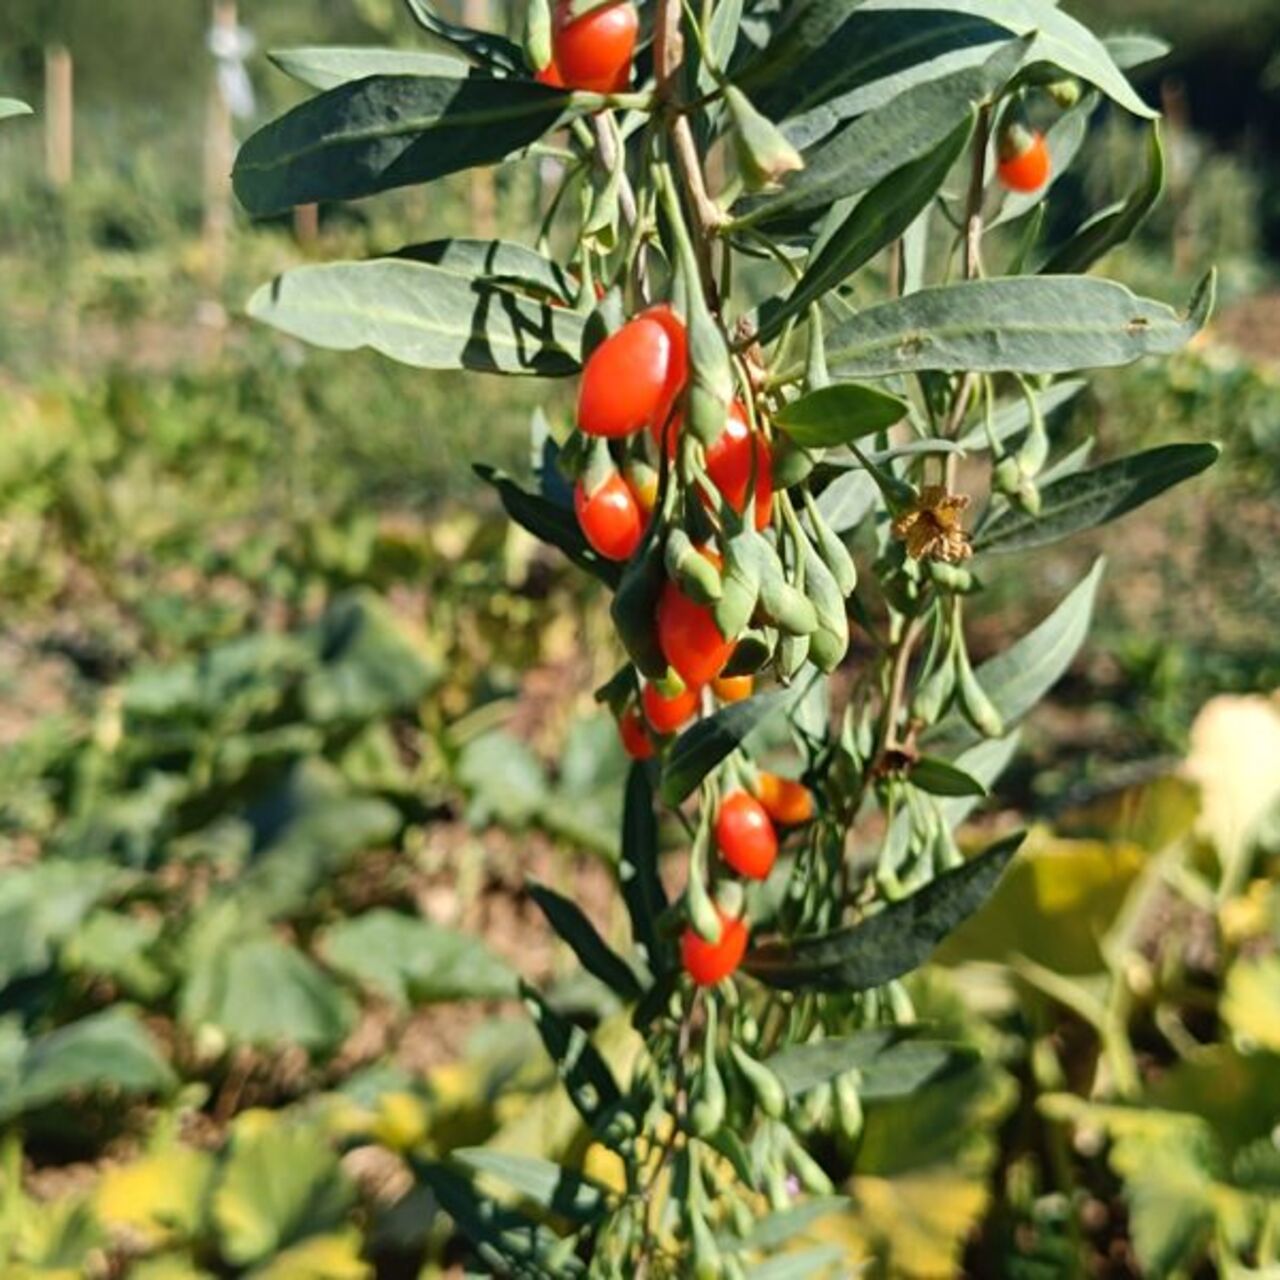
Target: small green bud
x=764, y=1084
x=537, y=34
x=849, y=1103
x=978, y=708
x=696, y=576
x=765, y=156
x=1066, y=93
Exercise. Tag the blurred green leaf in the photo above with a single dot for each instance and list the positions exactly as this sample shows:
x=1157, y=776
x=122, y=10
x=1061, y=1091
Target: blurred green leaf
x=411, y=961
x=109, y=1051
x=281, y=1184
x=10, y=107
x=551, y=1187
x=891, y=1062
x=594, y=954
x=642, y=889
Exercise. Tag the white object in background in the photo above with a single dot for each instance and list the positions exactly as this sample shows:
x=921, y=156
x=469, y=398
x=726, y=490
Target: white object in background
x=230, y=47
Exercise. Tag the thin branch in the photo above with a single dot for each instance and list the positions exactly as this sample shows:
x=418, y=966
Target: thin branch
x=610, y=158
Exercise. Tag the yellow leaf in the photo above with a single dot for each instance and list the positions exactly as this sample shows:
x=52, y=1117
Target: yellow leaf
x=921, y=1219
x=1251, y=1005
x=159, y=1198
x=332, y=1257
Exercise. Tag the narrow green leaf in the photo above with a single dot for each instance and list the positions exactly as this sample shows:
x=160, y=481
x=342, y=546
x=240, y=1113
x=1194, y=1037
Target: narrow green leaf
x=837, y=415
x=698, y=750
x=1094, y=497
x=642, y=891
x=880, y=143
x=593, y=952
x=1020, y=324
x=494, y=51
x=1058, y=38
x=1114, y=226
x=879, y=218
x=10, y=107
x=385, y=132
x=327, y=66
x=498, y=262
x=508, y=1241
x=561, y=1191
x=423, y=316
x=110, y=1050
x=585, y=1074
x=892, y=1062
x=897, y=939
x=1018, y=678
x=939, y=778
x=553, y=524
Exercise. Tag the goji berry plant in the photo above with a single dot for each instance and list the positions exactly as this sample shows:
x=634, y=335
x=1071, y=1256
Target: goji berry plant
x=797, y=258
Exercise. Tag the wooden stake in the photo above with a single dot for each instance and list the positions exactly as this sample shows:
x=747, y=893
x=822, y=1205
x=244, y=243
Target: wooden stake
x=59, y=116
x=219, y=154
x=306, y=224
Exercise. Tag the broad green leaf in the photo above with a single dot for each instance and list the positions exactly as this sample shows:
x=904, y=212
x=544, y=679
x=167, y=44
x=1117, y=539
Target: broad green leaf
x=496, y=52
x=881, y=142
x=260, y=991
x=506, y=1240
x=1112, y=227
x=109, y=1051
x=10, y=107
x=941, y=778
x=111, y=944
x=327, y=66
x=1019, y=324
x=593, y=952
x=42, y=905
x=550, y=523
x=1094, y=497
x=892, y=1063
x=1014, y=418
x=584, y=1073
x=369, y=665
x=879, y=218
x=411, y=961
x=1018, y=678
x=423, y=316
x=500, y=262
x=640, y=881
x=561, y=1191
x=836, y=415
x=281, y=1184
x=505, y=781
x=1059, y=39
x=388, y=131
x=698, y=750
x=805, y=1264
x=897, y=939
x=307, y=828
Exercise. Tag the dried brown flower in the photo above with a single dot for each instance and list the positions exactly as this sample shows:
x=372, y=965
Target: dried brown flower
x=933, y=529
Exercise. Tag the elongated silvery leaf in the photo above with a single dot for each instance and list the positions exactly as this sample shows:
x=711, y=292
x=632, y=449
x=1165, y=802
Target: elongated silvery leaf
x=1060, y=39
x=882, y=141
x=1019, y=324
x=891, y=1060
x=1135, y=49
x=421, y=315
x=13, y=107
x=327, y=66
x=389, y=131
x=883, y=214
x=1090, y=498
